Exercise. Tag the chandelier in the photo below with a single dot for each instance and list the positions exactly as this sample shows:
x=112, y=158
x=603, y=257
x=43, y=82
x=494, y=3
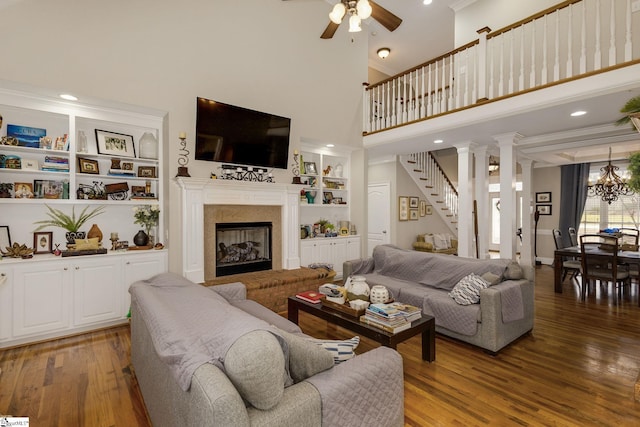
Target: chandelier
x=358, y=10
x=610, y=185
x=494, y=165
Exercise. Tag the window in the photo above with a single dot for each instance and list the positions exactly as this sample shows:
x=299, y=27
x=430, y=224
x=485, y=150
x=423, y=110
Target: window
x=598, y=215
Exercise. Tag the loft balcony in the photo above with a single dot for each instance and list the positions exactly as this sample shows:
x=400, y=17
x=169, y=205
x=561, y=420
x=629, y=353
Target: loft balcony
x=522, y=78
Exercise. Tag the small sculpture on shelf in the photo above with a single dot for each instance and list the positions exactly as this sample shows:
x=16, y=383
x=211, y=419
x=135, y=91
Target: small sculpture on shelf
x=295, y=168
x=183, y=156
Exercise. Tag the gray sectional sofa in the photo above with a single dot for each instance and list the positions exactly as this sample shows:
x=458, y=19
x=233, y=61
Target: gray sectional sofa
x=207, y=356
x=503, y=313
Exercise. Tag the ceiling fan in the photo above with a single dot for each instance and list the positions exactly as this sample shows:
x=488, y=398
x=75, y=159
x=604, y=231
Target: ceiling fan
x=358, y=11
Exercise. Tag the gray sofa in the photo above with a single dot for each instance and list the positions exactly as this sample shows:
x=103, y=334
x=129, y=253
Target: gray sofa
x=207, y=356
x=504, y=311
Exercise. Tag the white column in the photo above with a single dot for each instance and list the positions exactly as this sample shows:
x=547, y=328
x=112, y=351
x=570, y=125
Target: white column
x=465, y=201
x=526, y=251
x=482, y=199
x=507, y=142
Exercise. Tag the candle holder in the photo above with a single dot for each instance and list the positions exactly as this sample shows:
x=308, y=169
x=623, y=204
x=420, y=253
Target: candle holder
x=295, y=168
x=183, y=158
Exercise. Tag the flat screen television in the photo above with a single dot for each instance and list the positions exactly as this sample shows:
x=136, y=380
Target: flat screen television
x=230, y=134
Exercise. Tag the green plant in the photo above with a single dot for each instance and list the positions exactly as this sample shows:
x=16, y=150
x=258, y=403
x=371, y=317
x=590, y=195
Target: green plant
x=147, y=216
x=632, y=106
x=69, y=223
x=634, y=170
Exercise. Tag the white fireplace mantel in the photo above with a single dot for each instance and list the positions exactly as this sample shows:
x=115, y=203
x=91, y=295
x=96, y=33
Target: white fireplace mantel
x=197, y=193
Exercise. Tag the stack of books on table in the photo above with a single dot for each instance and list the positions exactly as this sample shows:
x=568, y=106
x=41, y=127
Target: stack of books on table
x=313, y=297
x=392, y=317
x=55, y=164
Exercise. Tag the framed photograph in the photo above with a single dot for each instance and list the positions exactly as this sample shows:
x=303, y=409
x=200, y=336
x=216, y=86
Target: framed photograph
x=30, y=164
x=23, y=190
x=428, y=210
x=413, y=202
x=115, y=144
x=543, y=197
x=337, y=200
x=5, y=237
x=310, y=168
x=413, y=214
x=403, y=208
x=88, y=166
x=327, y=196
x=423, y=207
x=43, y=189
x=26, y=136
x=138, y=189
x=544, y=209
x=146, y=171
x=42, y=242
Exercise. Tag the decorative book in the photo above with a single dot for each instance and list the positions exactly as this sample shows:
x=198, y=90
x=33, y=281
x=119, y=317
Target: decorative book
x=313, y=297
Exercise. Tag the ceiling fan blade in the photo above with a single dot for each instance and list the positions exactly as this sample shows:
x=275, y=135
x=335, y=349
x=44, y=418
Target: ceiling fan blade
x=330, y=30
x=384, y=17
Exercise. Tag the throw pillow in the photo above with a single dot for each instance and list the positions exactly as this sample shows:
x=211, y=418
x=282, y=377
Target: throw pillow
x=467, y=290
x=255, y=366
x=492, y=279
x=428, y=238
x=440, y=241
x=340, y=350
x=513, y=271
x=306, y=358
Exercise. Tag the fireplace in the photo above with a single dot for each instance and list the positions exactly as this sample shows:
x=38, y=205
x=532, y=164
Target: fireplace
x=243, y=247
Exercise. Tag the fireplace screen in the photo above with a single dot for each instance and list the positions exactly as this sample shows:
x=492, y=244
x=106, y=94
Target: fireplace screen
x=243, y=247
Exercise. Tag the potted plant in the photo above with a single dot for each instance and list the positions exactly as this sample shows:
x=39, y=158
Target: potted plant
x=5, y=190
x=634, y=170
x=631, y=107
x=70, y=223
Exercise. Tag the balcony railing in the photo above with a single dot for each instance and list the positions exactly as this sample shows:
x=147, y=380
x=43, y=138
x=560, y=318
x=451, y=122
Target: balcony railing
x=574, y=39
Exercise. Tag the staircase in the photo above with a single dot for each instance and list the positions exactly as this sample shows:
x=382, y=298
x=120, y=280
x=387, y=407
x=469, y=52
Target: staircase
x=438, y=190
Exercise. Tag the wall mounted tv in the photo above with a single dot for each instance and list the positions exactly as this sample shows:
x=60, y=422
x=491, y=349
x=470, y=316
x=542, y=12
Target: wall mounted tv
x=230, y=134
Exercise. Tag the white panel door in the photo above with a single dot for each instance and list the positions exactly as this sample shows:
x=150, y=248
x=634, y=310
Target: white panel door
x=379, y=204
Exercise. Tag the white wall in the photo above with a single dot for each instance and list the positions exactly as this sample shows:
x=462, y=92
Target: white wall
x=263, y=55
x=495, y=14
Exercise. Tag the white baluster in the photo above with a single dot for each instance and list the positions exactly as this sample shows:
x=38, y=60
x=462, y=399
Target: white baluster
x=597, y=55
x=532, y=72
x=465, y=97
x=628, y=46
x=583, y=40
x=404, y=98
x=491, y=51
x=556, y=56
x=569, y=71
x=521, y=73
x=501, y=75
x=443, y=95
x=385, y=105
x=451, y=104
x=511, y=57
x=612, y=35
x=423, y=110
x=429, y=100
x=394, y=104
x=543, y=71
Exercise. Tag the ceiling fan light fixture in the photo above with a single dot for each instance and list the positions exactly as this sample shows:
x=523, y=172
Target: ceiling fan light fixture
x=364, y=9
x=337, y=13
x=354, y=24
x=383, y=52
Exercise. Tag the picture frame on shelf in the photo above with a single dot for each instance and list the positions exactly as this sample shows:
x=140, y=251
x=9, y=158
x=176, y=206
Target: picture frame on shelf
x=544, y=209
x=88, y=166
x=115, y=144
x=46, y=189
x=42, y=242
x=428, y=210
x=27, y=136
x=543, y=197
x=147, y=171
x=403, y=208
x=337, y=200
x=413, y=202
x=30, y=164
x=5, y=237
x=127, y=166
x=413, y=214
x=327, y=196
x=310, y=168
x=423, y=208
x=23, y=190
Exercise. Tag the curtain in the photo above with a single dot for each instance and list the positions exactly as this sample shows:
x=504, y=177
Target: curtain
x=574, y=180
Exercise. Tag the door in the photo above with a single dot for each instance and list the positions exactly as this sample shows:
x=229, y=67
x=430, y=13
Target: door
x=379, y=209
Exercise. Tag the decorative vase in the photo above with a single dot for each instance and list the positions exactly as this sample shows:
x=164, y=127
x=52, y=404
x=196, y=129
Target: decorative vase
x=379, y=295
x=95, y=231
x=82, y=142
x=311, y=196
x=338, y=170
x=148, y=146
x=141, y=238
x=71, y=236
x=357, y=288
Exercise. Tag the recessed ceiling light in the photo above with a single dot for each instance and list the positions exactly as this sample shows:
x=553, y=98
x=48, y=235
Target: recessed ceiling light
x=426, y=1
x=68, y=97
x=438, y=141
x=578, y=113
x=330, y=145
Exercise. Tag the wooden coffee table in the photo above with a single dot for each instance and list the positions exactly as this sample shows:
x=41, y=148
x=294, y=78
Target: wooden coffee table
x=425, y=326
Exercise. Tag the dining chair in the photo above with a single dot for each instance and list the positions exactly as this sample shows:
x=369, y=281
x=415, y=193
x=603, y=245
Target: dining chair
x=568, y=265
x=629, y=242
x=573, y=236
x=600, y=262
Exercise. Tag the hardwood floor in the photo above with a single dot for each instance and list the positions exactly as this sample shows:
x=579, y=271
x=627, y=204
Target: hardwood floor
x=577, y=368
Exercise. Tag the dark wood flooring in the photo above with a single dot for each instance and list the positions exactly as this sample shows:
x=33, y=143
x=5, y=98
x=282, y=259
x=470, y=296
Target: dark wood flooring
x=577, y=368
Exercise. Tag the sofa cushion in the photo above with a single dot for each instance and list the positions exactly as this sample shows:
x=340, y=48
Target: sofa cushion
x=493, y=279
x=261, y=312
x=306, y=358
x=428, y=238
x=257, y=375
x=467, y=290
x=513, y=271
x=440, y=241
x=340, y=350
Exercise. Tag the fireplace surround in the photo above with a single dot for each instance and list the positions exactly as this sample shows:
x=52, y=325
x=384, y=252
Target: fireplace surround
x=198, y=193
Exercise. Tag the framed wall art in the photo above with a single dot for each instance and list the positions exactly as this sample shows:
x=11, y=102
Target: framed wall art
x=5, y=237
x=115, y=144
x=413, y=202
x=543, y=197
x=42, y=242
x=544, y=209
x=413, y=214
x=88, y=166
x=310, y=168
x=147, y=171
x=423, y=207
x=428, y=210
x=403, y=208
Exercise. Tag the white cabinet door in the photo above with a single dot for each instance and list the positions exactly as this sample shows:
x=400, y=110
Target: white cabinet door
x=97, y=287
x=339, y=253
x=6, y=277
x=140, y=267
x=41, y=298
x=307, y=252
x=353, y=248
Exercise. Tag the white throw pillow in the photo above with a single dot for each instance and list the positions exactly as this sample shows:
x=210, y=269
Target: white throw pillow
x=467, y=290
x=440, y=241
x=428, y=238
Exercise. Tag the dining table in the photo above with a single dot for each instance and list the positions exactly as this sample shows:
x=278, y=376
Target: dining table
x=624, y=257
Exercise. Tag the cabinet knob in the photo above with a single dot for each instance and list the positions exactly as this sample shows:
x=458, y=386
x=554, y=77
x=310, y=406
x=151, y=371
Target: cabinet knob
x=77, y=268
x=128, y=262
x=66, y=268
x=2, y=274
